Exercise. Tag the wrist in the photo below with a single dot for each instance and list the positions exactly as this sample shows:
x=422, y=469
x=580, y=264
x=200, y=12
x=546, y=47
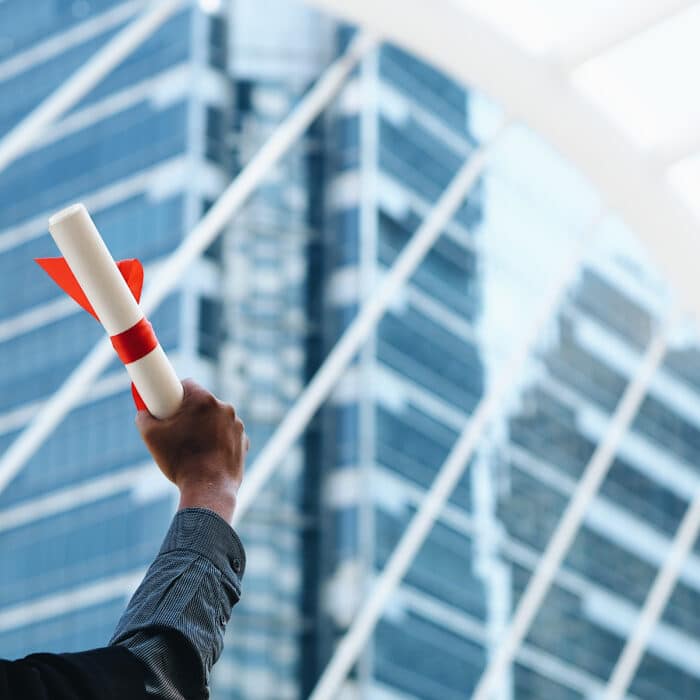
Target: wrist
x=218, y=496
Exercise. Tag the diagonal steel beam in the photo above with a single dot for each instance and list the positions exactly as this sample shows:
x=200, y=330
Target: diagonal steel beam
x=456, y=40
x=571, y=521
x=20, y=139
x=654, y=605
x=364, y=323
x=448, y=476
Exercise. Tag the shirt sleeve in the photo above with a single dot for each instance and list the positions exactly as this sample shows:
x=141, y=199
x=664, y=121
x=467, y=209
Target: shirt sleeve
x=175, y=622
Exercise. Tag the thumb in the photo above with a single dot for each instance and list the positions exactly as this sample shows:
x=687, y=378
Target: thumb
x=144, y=420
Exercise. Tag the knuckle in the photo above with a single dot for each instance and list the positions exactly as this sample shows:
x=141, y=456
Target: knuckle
x=205, y=401
x=191, y=389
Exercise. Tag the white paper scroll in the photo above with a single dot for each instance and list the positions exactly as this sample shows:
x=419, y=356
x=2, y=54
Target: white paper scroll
x=95, y=270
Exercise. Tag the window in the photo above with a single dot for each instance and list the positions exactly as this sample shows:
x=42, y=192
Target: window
x=210, y=329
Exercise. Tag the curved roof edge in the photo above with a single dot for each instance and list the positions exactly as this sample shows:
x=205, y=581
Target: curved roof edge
x=534, y=92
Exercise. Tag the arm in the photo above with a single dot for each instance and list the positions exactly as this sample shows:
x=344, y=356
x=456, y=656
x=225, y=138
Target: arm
x=172, y=631
x=175, y=621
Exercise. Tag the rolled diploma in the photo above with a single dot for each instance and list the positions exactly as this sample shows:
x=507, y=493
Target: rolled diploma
x=93, y=266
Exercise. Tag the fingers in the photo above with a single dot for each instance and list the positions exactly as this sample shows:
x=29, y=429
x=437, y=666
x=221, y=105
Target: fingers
x=197, y=404
x=192, y=393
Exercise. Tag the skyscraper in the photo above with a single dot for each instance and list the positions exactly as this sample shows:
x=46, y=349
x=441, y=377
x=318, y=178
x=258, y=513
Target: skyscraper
x=272, y=299
x=300, y=260
x=602, y=332
x=400, y=135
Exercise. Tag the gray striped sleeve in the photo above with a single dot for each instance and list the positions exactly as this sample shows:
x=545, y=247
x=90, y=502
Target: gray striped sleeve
x=175, y=621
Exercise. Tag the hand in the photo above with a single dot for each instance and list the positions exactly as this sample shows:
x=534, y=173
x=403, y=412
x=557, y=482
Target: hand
x=201, y=449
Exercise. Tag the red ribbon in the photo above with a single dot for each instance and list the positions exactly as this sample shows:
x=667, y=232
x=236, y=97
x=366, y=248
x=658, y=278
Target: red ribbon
x=135, y=342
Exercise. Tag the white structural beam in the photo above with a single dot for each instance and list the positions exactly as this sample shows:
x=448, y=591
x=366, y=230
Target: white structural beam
x=56, y=44
x=656, y=601
x=74, y=496
x=20, y=139
x=533, y=92
x=449, y=474
x=678, y=146
x=629, y=23
x=78, y=598
x=571, y=521
x=200, y=238
x=363, y=324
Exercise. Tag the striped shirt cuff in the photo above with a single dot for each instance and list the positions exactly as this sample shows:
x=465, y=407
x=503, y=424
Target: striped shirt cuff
x=206, y=533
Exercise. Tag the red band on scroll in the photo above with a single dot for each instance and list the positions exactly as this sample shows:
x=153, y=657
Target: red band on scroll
x=136, y=342
x=132, y=344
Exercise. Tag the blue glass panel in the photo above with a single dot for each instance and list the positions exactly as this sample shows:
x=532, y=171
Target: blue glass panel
x=76, y=547
x=617, y=312
x=169, y=46
x=344, y=152
x=88, y=628
x=344, y=526
x=96, y=438
x=530, y=685
x=685, y=363
x=443, y=566
x=449, y=272
x=344, y=423
x=426, y=661
x=29, y=370
x=114, y=148
x=581, y=370
x=420, y=81
x=418, y=348
x=560, y=629
x=548, y=430
x=340, y=318
x=20, y=93
x=218, y=42
x=656, y=678
x=25, y=23
x=415, y=445
x=344, y=226
x=416, y=164
x=210, y=329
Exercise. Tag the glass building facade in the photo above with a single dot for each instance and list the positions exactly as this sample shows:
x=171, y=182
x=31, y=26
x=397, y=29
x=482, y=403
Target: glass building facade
x=86, y=515
x=602, y=331
x=148, y=151
x=399, y=135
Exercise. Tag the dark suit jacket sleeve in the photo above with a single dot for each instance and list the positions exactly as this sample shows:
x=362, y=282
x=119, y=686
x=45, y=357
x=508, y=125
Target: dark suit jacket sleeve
x=101, y=674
